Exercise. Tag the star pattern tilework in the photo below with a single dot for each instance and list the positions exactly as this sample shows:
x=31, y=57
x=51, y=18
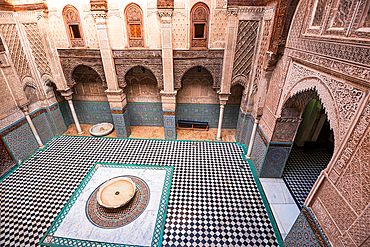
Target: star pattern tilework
x=214, y=200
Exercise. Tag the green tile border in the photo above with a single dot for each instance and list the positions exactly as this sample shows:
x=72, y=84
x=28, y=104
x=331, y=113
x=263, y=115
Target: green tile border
x=264, y=199
x=160, y=221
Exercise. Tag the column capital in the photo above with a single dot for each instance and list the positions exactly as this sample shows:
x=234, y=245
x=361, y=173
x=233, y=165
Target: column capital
x=165, y=13
x=99, y=16
x=24, y=108
x=66, y=93
x=168, y=95
x=233, y=12
x=223, y=97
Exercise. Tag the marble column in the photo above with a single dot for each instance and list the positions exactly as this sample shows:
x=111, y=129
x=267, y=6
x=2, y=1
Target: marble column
x=251, y=141
x=67, y=94
x=118, y=105
x=223, y=100
x=33, y=129
x=168, y=94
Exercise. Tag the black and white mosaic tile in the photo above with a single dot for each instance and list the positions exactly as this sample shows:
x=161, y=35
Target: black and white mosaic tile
x=214, y=200
x=302, y=169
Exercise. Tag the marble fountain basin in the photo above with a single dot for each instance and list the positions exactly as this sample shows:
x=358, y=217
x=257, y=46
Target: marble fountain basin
x=101, y=129
x=116, y=192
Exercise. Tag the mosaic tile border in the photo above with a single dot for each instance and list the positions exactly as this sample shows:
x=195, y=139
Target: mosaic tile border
x=50, y=240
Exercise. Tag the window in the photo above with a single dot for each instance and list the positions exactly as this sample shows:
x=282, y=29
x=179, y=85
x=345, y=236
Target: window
x=134, y=19
x=199, y=31
x=75, y=31
x=73, y=26
x=199, y=26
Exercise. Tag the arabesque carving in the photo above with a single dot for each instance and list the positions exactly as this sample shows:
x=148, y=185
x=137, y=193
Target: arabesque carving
x=11, y=39
x=37, y=47
x=339, y=98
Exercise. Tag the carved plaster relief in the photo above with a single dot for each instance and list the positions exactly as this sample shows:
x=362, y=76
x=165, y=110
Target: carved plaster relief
x=339, y=98
x=179, y=30
x=11, y=39
x=218, y=29
x=37, y=47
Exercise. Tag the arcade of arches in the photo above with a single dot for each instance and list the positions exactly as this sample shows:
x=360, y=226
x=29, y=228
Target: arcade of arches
x=282, y=85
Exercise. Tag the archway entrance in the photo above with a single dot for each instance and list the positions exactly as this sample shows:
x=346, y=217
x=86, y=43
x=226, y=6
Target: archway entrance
x=143, y=98
x=89, y=98
x=311, y=152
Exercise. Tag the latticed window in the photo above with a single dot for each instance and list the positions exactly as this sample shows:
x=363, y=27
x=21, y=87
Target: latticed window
x=134, y=20
x=73, y=26
x=199, y=25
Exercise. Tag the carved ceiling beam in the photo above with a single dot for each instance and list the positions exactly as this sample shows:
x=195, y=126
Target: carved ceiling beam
x=284, y=14
x=5, y=6
x=98, y=5
x=165, y=4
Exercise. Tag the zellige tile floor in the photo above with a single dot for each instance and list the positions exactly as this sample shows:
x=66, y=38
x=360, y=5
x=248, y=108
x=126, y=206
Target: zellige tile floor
x=214, y=200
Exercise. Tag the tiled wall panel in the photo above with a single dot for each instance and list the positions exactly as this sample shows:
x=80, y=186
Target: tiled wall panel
x=258, y=153
x=275, y=160
x=21, y=142
x=301, y=234
x=87, y=112
x=145, y=114
x=208, y=113
x=169, y=127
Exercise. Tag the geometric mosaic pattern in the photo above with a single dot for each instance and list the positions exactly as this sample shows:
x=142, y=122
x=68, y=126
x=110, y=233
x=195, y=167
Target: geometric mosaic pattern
x=22, y=142
x=214, y=199
x=258, y=153
x=169, y=127
x=111, y=221
x=302, y=170
x=145, y=114
x=88, y=112
x=275, y=160
x=301, y=234
x=208, y=113
x=113, y=218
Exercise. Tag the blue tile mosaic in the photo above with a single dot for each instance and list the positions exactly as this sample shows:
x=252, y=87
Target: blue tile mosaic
x=208, y=113
x=87, y=112
x=66, y=113
x=244, y=129
x=258, y=153
x=275, y=160
x=301, y=234
x=145, y=114
x=122, y=123
x=43, y=128
x=21, y=142
x=169, y=127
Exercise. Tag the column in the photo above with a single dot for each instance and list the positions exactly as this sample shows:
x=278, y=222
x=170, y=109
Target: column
x=118, y=105
x=33, y=129
x=168, y=94
x=116, y=96
x=223, y=100
x=67, y=94
x=251, y=141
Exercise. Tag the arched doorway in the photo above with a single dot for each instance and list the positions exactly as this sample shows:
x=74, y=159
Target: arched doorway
x=89, y=98
x=311, y=152
x=197, y=100
x=143, y=98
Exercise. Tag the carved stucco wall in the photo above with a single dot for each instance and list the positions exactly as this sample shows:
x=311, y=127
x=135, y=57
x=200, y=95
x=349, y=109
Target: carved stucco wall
x=328, y=51
x=37, y=47
x=142, y=86
x=197, y=88
x=339, y=98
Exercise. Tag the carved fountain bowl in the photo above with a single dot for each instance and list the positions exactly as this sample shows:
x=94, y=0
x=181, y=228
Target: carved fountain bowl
x=116, y=192
x=101, y=129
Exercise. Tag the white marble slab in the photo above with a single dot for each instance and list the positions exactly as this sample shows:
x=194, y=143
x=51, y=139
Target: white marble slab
x=281, y=202
x=139, y=232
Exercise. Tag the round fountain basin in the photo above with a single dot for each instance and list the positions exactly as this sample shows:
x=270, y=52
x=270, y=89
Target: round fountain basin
x=116, y=192
x=101, y=129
